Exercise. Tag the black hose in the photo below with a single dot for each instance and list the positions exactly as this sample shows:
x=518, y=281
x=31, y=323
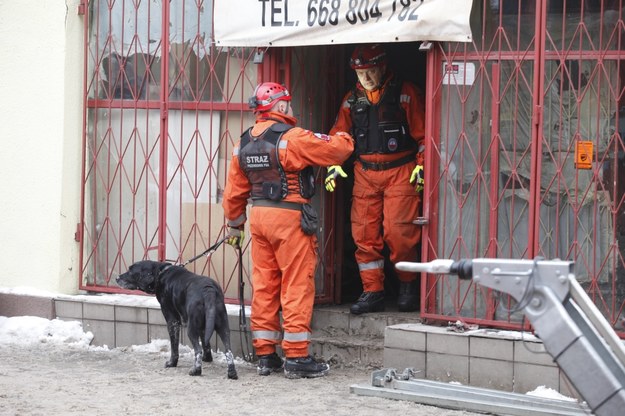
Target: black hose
x=243, y=331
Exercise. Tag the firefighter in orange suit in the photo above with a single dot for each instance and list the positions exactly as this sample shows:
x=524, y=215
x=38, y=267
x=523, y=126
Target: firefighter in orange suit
x=273, y=165
x=386, y=118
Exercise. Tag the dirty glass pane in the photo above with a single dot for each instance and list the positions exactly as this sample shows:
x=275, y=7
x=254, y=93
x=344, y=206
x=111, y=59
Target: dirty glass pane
x=465, y=163
x=580, y=201
x=198, y=71
x=121, y=191
x=465, y=170
x=124, y=49
x=515, y=135
x=584, y=24
x=195, y=72
x=507, y=26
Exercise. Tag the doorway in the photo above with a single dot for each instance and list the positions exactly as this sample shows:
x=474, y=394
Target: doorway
x=408, y=63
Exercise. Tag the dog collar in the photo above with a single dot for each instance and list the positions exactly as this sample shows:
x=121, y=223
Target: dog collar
x=164, y=269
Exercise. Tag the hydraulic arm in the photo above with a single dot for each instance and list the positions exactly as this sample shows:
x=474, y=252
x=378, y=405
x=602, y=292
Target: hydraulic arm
x=573, y=330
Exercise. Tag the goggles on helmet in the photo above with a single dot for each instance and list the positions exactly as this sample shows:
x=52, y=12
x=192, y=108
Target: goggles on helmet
x=266, y=94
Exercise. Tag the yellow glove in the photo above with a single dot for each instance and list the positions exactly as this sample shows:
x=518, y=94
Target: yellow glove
x=235, y=237
x=333, y=172
x=417, y=178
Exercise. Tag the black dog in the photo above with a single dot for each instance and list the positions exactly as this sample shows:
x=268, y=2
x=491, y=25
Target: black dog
x=185, y=298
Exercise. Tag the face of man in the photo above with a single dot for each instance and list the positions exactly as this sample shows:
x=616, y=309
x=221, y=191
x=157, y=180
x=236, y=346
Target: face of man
x=370, y=78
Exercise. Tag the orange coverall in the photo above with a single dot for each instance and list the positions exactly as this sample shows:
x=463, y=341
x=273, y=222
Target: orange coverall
x=385, y=203
x=283, y=256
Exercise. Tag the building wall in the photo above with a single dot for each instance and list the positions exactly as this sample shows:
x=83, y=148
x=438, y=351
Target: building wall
x=40, y=134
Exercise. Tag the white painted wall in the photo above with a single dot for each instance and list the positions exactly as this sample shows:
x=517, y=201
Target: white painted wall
x=41, y=82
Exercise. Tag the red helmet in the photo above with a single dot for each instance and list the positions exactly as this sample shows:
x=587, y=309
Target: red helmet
x=266, y=94
x=367, y=56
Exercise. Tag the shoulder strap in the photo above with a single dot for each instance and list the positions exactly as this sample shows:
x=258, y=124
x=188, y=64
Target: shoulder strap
x=280, y=127
x=394, y=90
x=245, y=138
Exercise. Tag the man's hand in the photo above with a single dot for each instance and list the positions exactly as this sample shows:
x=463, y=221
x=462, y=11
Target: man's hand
x=333, y=172
x=417, y=178
x=235, y=237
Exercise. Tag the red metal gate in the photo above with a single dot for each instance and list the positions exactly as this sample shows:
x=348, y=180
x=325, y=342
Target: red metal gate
x=163, y=109
x=520, y=108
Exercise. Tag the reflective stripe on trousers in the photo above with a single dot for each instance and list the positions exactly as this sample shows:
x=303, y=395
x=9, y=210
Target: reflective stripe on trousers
x=268, y=335
x=372, y=265
x=372, y=275
x=297, y=336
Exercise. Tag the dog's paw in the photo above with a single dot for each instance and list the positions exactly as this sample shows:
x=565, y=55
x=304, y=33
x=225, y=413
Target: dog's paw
x=196, y=371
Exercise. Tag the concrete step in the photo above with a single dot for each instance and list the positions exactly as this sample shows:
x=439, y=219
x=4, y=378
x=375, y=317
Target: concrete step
x=350, y=340
x=355, y=351
x=333, y=319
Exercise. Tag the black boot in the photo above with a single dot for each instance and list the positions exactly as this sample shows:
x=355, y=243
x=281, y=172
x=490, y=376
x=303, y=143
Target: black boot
x=368, y=302
x=268, y=364
x=408, y=299
x=305, y=367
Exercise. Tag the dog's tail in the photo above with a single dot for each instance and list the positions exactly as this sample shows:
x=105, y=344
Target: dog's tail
x=210, y=316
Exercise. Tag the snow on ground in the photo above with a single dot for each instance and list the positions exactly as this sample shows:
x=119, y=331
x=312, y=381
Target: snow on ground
x=49, y=369
x=546, y=392
x=30, y=330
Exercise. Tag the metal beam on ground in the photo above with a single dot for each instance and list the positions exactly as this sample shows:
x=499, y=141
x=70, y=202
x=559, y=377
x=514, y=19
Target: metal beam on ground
x=387, y=383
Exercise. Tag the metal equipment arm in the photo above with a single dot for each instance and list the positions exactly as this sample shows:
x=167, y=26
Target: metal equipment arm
x=572, y=329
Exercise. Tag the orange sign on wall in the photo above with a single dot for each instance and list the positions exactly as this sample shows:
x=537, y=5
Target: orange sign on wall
x=583, y=154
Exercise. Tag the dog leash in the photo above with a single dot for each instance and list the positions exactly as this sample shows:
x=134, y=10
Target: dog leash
x=245, y=343
x=208, y=251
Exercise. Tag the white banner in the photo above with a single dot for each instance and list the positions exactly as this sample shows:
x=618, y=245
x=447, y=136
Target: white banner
x=250, y=23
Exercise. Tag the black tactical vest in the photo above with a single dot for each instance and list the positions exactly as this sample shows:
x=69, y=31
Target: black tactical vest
x=258, y=157
x=383, y=127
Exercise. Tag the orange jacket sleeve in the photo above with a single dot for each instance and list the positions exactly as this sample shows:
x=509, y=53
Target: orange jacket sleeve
x=237, y=192
x=413, y=103
x=301, y=148
x=343, y=120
